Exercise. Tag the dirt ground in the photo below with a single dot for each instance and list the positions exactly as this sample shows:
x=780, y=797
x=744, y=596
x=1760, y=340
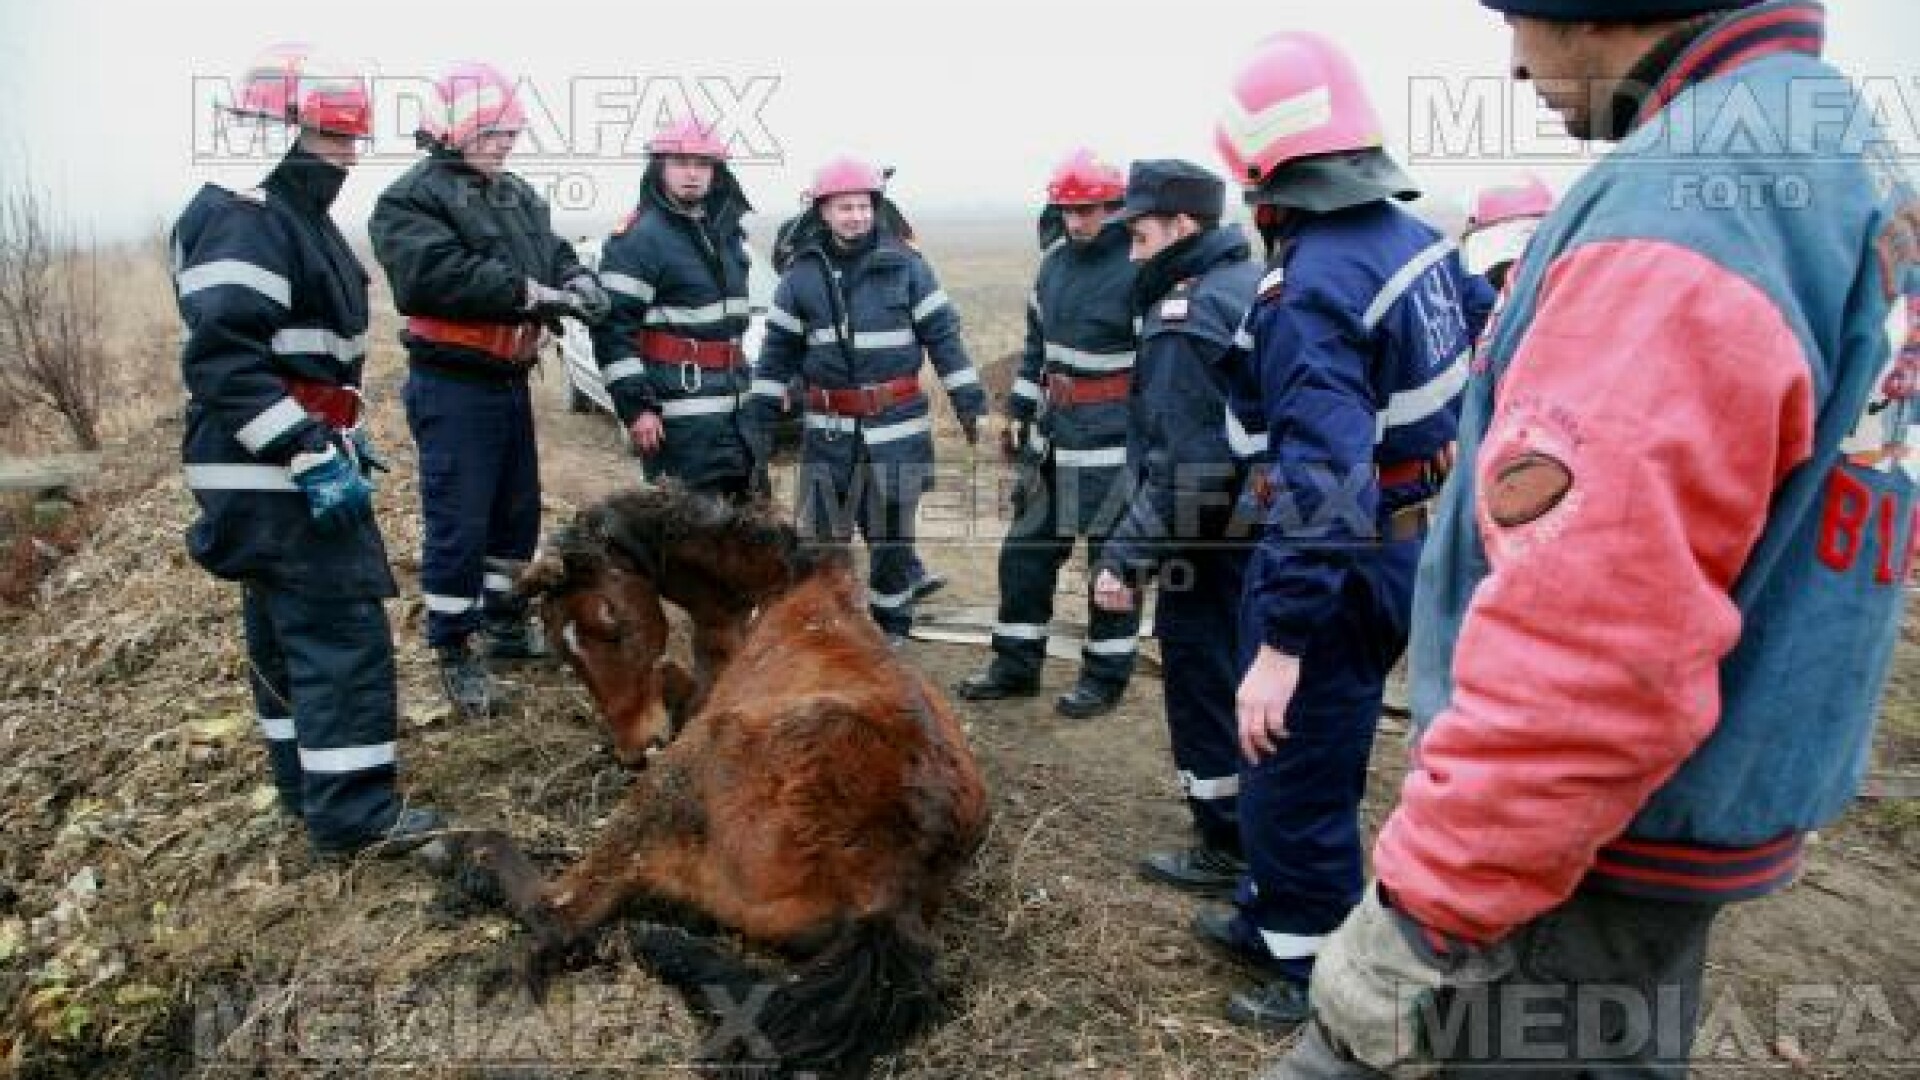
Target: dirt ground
x=158, y=919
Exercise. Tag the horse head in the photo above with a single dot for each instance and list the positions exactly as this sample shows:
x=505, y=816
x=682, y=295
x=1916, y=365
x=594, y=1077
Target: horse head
x=604, y=615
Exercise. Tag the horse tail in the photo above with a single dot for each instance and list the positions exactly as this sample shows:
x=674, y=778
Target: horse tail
x=868, y=992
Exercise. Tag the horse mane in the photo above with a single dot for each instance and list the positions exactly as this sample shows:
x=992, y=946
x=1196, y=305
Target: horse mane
x=649, y=528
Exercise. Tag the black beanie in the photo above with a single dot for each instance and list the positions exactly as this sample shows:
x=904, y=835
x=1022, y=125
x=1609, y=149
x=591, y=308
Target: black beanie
x=1614, y=11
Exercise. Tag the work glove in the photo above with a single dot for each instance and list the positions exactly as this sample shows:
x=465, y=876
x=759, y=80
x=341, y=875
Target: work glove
x=338, y=497
x=545, y=303
x=370, y=458
x=594, y=303
x=1374, y=981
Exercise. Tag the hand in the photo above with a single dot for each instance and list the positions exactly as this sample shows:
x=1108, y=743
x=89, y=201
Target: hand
x=970, y=427
x=1112, y=594
x=595, y=305
x=1262, y=702
x=1374, y=982
x=1012, y=438
x=371, y=459
x=337, y=495
x=649, y=433
x=545, y=303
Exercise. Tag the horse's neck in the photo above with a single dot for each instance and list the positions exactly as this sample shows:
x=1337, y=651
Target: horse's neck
x=736, y=574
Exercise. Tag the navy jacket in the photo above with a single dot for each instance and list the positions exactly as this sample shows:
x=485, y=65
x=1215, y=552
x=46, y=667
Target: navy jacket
x=1191, y=299
x=269, y=291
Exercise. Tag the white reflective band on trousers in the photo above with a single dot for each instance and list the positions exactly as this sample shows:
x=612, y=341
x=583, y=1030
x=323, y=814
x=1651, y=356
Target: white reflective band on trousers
x=1209, y=788
x=346, y=759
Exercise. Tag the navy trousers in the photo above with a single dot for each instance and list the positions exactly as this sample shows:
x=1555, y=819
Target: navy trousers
x=479, y=496
x=1300, y=807
x=323, y=687
x=1197, y=622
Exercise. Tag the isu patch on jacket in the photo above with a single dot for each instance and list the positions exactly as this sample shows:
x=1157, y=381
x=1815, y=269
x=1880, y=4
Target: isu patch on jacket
x=1526, y=488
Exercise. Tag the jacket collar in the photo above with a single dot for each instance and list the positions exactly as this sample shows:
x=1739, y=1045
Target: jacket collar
x=1734, y=41
x=306, y=181
x=1186, y=259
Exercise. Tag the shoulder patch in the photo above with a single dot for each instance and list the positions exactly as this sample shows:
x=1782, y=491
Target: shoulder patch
x=1174, y=309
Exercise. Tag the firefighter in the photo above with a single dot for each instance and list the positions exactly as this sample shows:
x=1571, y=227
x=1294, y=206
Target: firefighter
x=277, y=458
x=1504, y=218
x=476, y=267
x=856, y=314
x=1067, y=428
x=1194, y=283
x=1341, y=414
x=670, y=352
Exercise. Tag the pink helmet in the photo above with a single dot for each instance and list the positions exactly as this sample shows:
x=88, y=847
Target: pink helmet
x=285, y=84
x=1082, y=179
x=845, y=176
x=1299, y=96
x=688, y=138
x=1527, y=197
x=474, y=98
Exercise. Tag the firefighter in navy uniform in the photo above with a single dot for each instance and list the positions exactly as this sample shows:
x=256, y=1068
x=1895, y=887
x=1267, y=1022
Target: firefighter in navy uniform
x=856, y=314
x=275, y=306
x=1068, y=430
x=670, y=351
x=1195, y=281
x=1342, y=412
x=476, y=267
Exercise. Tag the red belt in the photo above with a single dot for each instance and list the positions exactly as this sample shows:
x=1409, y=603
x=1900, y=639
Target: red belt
x=1069, y=390
x=336, y=406
x=864, y=401
x=1402, y=473
x=664, y=348
x=515, y=343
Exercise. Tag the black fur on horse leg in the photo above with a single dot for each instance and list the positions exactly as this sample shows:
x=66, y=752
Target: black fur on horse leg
x=867, y=993
x=489, y=869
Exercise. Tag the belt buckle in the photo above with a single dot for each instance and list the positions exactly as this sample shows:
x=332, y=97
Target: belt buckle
x=873, y=404
x=689, y=376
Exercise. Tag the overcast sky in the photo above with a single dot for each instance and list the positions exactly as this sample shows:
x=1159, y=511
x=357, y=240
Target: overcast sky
x=108, y=103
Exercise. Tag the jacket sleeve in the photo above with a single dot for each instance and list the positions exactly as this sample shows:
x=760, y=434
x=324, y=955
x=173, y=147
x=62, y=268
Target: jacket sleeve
x=234, y=283
x=937, y=324
x=432, y=270
x=1023, y=403
x=1185, y=478
x=1320, y=431
x=629, y=279
x=1624, y=478
x=781, y=351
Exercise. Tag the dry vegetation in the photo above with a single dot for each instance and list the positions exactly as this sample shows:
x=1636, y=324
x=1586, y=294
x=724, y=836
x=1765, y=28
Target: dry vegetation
x=148, y=882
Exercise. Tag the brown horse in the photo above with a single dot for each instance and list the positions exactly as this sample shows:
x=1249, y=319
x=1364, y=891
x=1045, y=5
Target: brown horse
x=820, y=802
x=718, y=562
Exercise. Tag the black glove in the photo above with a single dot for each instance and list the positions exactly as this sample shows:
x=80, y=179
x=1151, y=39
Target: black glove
x=545, y=303
x=595, y=305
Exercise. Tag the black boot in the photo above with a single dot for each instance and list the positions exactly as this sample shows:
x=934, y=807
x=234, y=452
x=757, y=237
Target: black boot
x=996, y=684
x=413, y=828
x=1088, y=699
x=516, y=639
x=1207, y=871
x=469, y=686
x=1279, y=1006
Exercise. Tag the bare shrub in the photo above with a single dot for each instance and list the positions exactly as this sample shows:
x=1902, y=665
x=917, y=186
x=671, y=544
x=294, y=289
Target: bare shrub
x=53, y=311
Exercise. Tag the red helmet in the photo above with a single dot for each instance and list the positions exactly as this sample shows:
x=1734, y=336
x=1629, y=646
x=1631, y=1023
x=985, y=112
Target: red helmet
x=688, y=138
x=1299, y=96
x=1082, y=179
x=286, y=85
x=474, y=99
x=845, y=176
x=1527, y=197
